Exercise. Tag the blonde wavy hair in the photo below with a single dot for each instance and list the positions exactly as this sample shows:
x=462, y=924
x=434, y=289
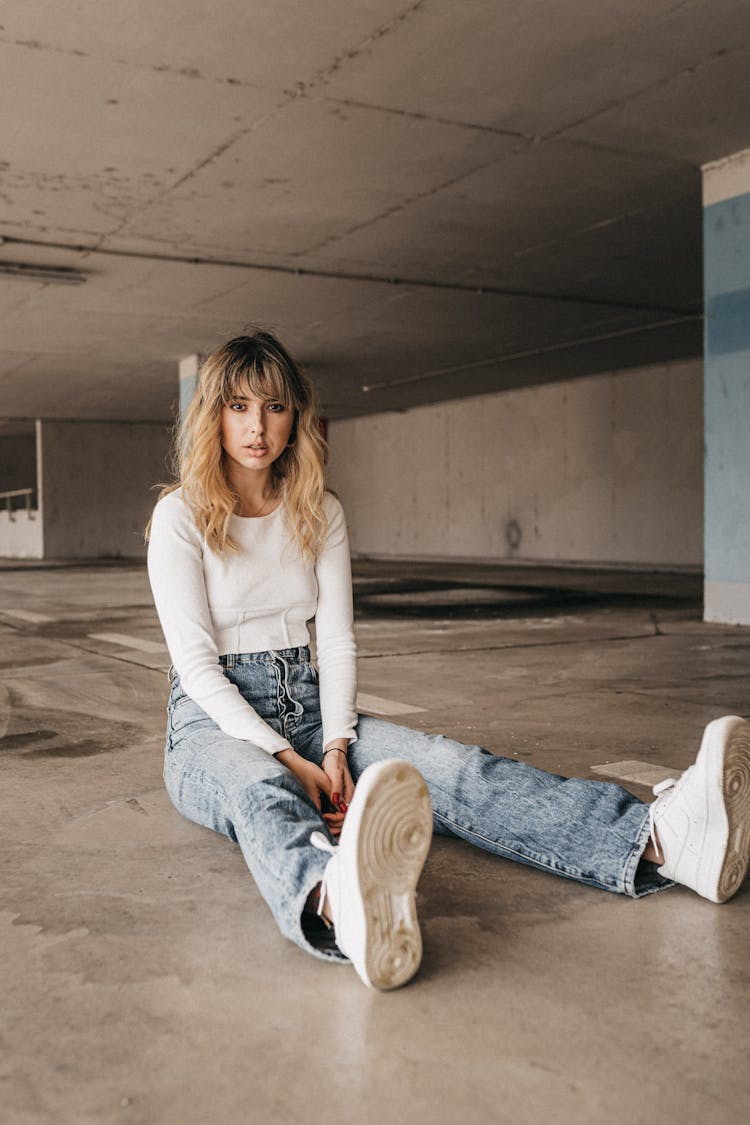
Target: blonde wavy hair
x=262, y=365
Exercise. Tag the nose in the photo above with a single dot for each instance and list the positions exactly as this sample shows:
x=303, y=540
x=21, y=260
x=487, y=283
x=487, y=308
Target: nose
x=255, y=418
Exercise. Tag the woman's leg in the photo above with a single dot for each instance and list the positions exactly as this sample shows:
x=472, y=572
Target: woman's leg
x=235, y=788
x=591, y=831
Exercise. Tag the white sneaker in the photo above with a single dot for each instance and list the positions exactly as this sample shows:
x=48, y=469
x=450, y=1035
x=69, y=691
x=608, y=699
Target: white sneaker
x=702, y=821
x=371, y=877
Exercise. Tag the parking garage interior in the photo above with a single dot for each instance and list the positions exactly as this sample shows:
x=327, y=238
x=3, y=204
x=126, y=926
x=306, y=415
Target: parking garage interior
x=513, y=252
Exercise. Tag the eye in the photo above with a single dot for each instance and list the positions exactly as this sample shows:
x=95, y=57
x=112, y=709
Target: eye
x=276, y=407
x=238, y=406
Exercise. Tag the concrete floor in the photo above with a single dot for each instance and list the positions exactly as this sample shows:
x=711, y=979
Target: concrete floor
x=143, y=978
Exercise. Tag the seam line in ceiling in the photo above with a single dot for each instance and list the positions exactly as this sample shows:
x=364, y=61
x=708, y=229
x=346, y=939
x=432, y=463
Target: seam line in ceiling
x=529, y=353
x=347, y=275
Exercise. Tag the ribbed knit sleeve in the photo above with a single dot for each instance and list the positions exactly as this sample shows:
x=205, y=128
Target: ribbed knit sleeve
x=334, y=630
x=175, y=569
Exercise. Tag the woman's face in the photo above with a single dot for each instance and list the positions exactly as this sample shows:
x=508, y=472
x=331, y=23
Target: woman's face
x=254, y=432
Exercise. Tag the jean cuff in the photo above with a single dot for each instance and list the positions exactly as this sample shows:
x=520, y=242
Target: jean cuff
x=326, y=950
x=641, y=876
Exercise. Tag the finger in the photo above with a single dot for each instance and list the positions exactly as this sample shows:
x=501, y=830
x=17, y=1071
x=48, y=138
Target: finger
x=337, y=786
x=348, y=792
x=336, y=774
x=340, y=800
x=334, y=822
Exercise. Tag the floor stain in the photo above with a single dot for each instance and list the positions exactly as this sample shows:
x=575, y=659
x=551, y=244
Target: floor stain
x=28, y=738
x=86, y=748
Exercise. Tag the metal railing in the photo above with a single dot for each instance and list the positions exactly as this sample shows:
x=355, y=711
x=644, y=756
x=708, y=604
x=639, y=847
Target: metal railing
x=17, y=494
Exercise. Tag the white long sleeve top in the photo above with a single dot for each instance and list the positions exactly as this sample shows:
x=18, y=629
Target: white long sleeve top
x=257, y=599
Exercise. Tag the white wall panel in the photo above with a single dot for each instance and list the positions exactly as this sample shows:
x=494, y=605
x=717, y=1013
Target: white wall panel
x=21, y=535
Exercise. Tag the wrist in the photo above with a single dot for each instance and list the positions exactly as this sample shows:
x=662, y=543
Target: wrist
x=334, y=750
x=337, y=744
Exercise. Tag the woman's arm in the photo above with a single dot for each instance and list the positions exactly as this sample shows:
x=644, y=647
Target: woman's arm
x=175, y=569
x=337, y=659
x=334, y=631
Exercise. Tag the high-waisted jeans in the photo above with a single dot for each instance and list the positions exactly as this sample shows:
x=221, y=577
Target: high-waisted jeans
x=591, y=831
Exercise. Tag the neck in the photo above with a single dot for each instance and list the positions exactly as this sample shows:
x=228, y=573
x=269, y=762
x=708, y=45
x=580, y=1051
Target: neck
x=255, y=491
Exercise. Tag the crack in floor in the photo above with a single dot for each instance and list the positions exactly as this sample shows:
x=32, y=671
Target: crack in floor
x=507, y=646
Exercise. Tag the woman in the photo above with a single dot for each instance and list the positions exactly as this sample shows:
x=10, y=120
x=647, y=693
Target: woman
x=244, y=551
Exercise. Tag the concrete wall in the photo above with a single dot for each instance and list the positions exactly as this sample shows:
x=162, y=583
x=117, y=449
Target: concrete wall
x=607, y=469
x=96, y=480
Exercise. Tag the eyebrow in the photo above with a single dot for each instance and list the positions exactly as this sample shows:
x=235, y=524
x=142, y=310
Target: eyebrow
x=246, y=398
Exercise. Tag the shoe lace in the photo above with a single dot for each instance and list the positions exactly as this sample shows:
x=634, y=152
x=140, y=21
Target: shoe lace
x=323, y=844
x=659, y=791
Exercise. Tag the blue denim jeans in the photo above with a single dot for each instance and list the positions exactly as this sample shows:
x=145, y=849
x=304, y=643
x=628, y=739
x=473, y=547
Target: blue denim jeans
x=591, y=831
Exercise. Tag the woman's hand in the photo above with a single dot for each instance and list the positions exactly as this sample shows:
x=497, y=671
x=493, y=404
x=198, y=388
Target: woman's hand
x=312, y=778
x=336, y=769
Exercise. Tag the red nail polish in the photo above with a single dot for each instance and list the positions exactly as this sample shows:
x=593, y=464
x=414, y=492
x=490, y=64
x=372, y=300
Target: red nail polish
x=335, y=798
x=343, y=806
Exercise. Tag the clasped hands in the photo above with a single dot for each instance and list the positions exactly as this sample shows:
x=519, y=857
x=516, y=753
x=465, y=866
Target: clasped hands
x=329, y=787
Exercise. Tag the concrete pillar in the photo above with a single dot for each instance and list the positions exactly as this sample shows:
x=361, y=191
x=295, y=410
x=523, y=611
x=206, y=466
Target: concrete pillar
x=188, y=369
x=726, y=225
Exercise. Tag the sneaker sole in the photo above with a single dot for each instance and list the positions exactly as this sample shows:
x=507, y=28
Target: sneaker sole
x=734, y=736
x=394, y=834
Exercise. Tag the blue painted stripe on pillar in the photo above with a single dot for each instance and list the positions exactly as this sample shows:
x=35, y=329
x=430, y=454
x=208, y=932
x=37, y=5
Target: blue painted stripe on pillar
x=728, y=322
x=727, y=473
x=188, y=384
x=726, y=240
x=727, y=390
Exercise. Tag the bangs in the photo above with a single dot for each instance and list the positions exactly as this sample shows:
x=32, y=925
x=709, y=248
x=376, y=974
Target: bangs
x=264, y=380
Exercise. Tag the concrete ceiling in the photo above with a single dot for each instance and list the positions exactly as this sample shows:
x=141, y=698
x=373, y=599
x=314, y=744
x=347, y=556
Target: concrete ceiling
x=428, y=199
